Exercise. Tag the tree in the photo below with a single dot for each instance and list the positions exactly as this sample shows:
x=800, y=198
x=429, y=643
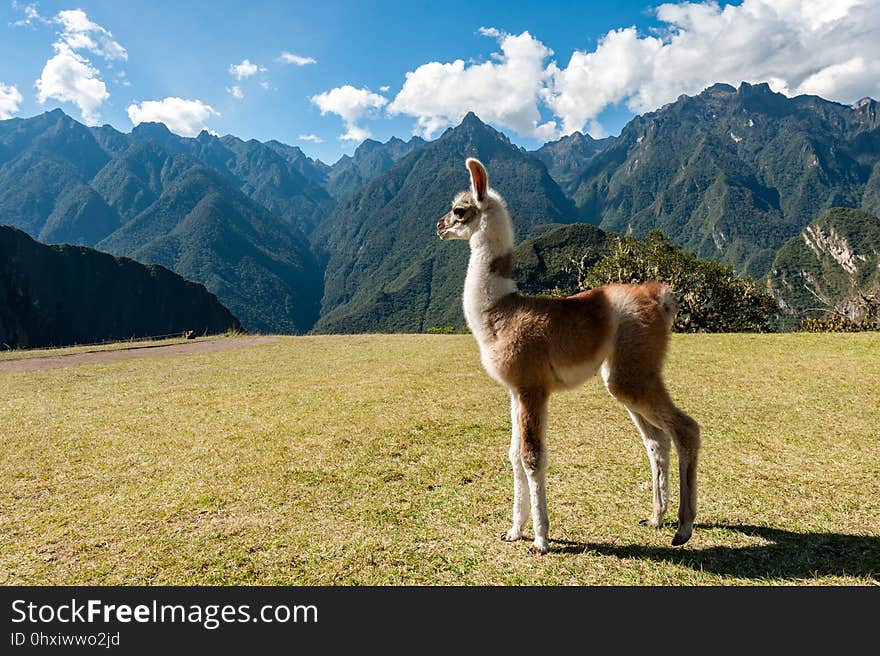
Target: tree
x=712, y=296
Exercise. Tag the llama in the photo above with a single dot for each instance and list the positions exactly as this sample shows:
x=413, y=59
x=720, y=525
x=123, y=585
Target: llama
x=536, y=345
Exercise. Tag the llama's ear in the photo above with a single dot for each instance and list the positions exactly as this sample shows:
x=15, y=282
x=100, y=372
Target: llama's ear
x=479, y=178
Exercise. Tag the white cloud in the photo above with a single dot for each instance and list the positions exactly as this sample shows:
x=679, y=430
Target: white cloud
x=356, y=134
x=70, y=77
x=594, y=80
x=351, y=105
x=81, y=33
x=296, y=60
x=845, y=80
x=245, y=69
x=831, y=49
x=235, y=91
x=314, y=138
x=10, y=100
x=31, y=15
x=799, y=46
x=185, y=117
x=505, y=90
x=385, y=89
x=265, y=84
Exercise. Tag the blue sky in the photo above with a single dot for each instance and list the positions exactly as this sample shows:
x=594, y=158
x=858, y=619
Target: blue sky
x=608, y=60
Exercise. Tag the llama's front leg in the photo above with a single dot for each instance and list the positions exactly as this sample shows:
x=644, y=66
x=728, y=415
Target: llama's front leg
x=536, y=478
x=520, y=485
x=520, y=495
x=533, y=453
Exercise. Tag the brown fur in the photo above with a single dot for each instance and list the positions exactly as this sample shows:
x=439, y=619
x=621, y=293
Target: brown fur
x=533, y=335
x=533, y=340
x=533, y=407
x=502, y=265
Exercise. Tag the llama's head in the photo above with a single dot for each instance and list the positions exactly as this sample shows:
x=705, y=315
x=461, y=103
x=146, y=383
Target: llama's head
x=477, y=210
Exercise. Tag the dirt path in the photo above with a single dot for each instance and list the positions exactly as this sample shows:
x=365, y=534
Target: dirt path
x=95, y=357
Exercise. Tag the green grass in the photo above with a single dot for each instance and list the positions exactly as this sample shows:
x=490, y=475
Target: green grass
x=383, y=460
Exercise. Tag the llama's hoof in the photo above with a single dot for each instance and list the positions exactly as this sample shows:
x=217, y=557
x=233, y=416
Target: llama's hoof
x=681, y=536
x=539, y=546
x=510, y=536
x=653, y=523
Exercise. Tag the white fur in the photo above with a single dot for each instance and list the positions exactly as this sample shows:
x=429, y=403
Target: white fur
x=482, y=288
x=520, y=485
x=537, y=481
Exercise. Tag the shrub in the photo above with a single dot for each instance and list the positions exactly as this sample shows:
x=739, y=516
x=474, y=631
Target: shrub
x=441, y=330
x=866, y=313
x=836, y=323
x=713, y=298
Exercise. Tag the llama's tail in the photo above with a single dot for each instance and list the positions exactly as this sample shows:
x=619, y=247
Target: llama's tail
x=668, y=302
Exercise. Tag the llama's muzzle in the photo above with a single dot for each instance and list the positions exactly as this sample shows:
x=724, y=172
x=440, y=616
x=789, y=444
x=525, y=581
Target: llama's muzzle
x=443, y=225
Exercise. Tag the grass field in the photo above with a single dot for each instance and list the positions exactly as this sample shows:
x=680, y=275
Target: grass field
x=383, y=460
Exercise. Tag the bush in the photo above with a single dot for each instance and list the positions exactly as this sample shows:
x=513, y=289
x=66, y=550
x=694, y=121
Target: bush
x=713, y=298
x=865, y=316
x=837, y=323
x=441, y=330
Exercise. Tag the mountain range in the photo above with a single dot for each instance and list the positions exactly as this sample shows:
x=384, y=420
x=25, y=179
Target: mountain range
x=732, y=174
x=386, y=268
x=565, y=158
x=370, y=159
x=291, y=244
x=223, y=212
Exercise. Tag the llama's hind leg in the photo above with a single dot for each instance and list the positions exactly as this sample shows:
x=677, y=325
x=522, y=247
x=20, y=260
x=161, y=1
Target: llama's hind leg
x=520, y=485
x=649, y=398
x=657, y=443
x=686, y=435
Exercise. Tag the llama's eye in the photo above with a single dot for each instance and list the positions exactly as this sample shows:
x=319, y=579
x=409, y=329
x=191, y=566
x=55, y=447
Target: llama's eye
x=458, y=211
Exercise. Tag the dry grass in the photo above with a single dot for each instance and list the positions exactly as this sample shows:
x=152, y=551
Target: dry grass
x=382, y=460
x=27, y=354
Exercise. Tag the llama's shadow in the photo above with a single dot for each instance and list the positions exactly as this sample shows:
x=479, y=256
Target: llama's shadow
x=785, y=555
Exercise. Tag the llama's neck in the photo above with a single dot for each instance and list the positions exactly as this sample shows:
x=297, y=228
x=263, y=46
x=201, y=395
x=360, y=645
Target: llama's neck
x=489, y=274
